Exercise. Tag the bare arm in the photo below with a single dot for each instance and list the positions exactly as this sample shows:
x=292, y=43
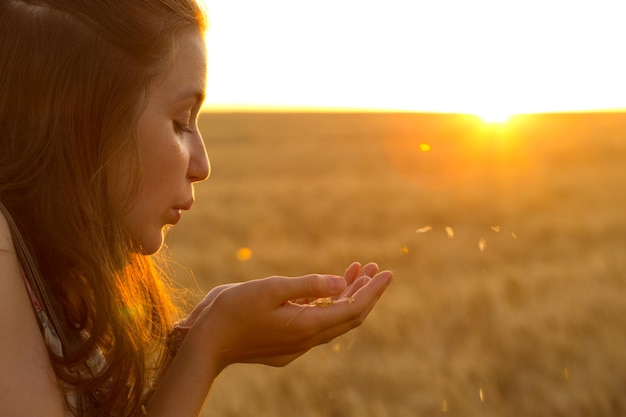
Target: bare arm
x=28, y=386
x=256, y=322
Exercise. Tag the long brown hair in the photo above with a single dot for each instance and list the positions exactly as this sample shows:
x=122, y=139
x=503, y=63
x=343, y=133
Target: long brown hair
x=74, y=77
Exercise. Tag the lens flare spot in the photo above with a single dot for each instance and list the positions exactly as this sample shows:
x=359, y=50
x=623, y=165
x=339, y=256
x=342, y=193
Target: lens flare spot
x=424, y=147
x=244, y=254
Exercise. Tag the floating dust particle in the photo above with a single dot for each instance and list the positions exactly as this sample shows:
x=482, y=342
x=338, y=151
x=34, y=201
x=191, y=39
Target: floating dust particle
x=444, y=406
x=481, y=395
x=482, y=244
x=424, y=147
x=424, y=229
x=244, y=254
x=496, y=229
x=566, y=374
x=513, y=235
x=450, y=232
x=404, y=250
x=336, y=347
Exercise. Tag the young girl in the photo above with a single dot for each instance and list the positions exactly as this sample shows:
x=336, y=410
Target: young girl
x=99, y=151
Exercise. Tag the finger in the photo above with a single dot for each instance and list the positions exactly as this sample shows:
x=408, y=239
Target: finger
x=313, y=326
x=328, y=334
x=356, y=285
x=352, y=272
x=370, y=289
x=345, y=313
x=369, y=269
x=307, y=286
x=367, y=300
x=216, y=291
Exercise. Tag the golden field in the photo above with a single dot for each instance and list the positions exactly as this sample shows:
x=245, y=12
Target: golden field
x=508, y=244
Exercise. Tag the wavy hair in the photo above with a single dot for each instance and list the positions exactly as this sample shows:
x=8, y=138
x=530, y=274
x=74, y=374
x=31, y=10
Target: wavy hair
x=74, y=77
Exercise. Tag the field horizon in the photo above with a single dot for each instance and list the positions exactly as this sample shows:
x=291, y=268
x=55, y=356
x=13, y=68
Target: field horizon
x=507, y=243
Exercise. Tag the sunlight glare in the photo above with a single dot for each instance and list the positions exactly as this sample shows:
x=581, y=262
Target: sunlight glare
x=421, y=57
x=495, y=116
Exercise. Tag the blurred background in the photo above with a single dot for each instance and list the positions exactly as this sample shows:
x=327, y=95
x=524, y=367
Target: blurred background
x=475, y=148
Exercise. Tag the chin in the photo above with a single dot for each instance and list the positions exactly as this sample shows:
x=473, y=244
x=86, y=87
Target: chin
x=151, y=245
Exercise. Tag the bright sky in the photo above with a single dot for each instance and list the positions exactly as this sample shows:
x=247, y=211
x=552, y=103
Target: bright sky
x=470, y=56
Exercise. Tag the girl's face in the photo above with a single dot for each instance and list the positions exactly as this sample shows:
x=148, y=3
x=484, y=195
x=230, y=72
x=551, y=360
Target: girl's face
x=171, y=150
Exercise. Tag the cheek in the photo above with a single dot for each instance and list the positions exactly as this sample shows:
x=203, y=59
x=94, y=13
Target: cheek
x=161, y=153
x=161, y=171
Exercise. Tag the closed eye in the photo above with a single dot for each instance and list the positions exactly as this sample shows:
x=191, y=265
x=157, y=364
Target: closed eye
x=180, y=128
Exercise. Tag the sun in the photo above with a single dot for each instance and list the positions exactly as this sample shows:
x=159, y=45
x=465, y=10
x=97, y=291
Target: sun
x=495, y=116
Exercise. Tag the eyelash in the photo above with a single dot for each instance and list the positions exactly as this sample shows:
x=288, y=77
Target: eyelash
x=181, y=128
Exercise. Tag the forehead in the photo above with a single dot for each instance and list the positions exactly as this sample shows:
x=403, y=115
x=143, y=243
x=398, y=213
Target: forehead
x=186, y=75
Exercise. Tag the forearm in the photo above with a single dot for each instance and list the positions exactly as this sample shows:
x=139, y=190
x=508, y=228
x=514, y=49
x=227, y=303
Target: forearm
x=186, y=384
x=254, y=322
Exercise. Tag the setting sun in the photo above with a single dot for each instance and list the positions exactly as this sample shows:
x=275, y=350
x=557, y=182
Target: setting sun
x=494, y=116
x=464, y=57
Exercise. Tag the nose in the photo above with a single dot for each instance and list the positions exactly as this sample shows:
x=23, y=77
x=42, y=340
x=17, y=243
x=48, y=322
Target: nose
x=199, y=167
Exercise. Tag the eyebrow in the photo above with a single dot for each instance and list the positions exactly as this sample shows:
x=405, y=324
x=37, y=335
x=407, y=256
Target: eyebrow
x=197, y=93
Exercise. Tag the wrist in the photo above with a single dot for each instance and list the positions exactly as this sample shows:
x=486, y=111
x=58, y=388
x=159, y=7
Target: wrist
x=188, y=379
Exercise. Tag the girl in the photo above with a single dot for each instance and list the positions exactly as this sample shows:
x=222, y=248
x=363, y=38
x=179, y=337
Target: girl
x=99, y=151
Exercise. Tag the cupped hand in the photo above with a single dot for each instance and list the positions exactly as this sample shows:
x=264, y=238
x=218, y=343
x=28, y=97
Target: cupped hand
x=271, y=321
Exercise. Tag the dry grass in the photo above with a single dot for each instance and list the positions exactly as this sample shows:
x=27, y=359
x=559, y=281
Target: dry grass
x=527, y=323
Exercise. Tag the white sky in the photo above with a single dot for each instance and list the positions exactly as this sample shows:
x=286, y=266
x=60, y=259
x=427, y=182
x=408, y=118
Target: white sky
x=434, y=55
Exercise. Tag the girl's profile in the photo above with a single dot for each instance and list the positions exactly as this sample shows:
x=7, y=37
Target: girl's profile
x=99, y=152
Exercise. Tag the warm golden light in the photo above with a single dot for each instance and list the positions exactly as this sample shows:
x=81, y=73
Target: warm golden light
x=479, y=58
x=496, y=117
x=424, y=147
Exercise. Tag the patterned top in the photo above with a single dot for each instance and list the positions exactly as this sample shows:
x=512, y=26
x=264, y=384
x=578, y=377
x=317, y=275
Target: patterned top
x=94, y=365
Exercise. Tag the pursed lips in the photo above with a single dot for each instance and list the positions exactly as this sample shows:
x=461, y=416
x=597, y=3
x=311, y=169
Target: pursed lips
x=178, y=209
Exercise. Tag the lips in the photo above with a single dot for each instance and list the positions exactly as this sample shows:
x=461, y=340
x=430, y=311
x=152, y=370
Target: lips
x=184, y=206
x=176, y=211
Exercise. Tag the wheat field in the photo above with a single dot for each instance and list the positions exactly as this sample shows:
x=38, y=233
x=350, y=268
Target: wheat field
x=508, y=244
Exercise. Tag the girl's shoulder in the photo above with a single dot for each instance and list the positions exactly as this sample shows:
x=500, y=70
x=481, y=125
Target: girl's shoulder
x=24, y=362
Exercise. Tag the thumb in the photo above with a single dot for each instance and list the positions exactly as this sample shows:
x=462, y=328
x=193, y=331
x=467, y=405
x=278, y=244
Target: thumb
x=310, y=286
